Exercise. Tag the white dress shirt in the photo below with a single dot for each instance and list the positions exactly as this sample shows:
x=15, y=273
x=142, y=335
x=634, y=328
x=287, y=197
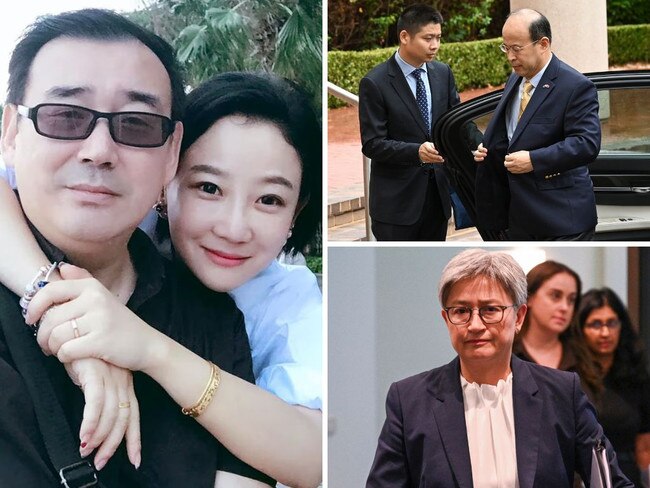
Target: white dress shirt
x=490, y=423
x=407, y=69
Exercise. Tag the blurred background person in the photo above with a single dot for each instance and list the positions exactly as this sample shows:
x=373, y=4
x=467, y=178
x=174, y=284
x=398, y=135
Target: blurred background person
x=546, y=336
x=624, y=404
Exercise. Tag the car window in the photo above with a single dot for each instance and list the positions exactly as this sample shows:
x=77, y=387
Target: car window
x=625, y=120
x=483, y=121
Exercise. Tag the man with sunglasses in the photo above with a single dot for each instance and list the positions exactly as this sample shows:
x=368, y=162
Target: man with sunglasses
x=91, y=130
x=533, y=181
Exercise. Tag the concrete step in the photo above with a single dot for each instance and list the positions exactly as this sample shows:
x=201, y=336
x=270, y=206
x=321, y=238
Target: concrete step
x=346, y=212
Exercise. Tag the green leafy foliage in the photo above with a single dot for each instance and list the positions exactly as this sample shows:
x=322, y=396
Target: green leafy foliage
x=622, y=12
x=215, y=36
x=315, y=263
x=370, y=24
x=471, y=21
x=628, y=44
x=475, y=64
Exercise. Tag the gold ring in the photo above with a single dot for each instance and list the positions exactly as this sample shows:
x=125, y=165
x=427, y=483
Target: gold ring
x=124, y=405
x=75, y=328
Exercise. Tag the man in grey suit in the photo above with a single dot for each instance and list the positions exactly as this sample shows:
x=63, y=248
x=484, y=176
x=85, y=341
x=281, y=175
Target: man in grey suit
x=399, y=102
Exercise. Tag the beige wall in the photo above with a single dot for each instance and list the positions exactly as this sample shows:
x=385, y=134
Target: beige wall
x=579, y=30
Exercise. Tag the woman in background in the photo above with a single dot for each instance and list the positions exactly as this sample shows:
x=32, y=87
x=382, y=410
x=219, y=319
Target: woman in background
x=547, y=336
x=624, y=404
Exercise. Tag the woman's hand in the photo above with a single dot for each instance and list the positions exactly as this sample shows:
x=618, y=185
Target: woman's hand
x=111, y=411
x=111, y=408
x=80, y=318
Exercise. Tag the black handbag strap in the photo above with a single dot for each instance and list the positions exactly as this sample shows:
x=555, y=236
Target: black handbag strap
x=73, y=470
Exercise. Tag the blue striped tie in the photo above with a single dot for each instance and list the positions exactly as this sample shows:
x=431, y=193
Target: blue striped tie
x=421, y=96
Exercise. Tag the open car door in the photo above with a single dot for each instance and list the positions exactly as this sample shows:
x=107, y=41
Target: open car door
x=620, y=174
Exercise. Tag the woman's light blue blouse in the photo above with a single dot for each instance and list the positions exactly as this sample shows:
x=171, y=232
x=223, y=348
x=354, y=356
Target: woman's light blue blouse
x=282, y=307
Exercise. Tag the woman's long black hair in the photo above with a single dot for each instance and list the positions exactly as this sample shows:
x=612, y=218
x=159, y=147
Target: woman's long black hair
x=629, y=367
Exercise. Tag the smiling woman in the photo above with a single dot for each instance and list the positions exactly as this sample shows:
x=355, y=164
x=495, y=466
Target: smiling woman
x=231, y=208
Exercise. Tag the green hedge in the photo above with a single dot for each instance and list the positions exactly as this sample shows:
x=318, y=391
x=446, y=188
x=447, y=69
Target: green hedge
x=628, y=44
x=478, y=63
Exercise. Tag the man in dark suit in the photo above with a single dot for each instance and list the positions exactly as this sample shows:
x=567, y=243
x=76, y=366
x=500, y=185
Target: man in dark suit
x=487, y=418
x=399, y=102
x=533, y=179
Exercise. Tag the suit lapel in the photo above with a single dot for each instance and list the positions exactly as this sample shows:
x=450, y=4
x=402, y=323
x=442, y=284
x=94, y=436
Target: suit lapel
x=542, y=90
x=401, y=87
x=527, y=407
x=450, y=418
x=500, y=111
x=433, y=75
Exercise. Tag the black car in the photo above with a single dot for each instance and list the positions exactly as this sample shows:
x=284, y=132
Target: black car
x=620, y=174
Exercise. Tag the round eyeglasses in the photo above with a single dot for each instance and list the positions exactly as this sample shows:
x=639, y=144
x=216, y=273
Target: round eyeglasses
x=489, y=314
x=599, y=324
x=71, y=122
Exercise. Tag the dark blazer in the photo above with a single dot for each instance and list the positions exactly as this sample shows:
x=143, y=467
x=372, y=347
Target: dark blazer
x=392, y=131
x=561, y=129
x=424, y=440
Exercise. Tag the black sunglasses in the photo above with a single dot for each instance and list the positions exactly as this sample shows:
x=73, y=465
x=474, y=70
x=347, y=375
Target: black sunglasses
x=71, y=122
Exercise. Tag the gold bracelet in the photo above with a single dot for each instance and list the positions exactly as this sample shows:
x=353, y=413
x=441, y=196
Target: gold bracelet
x=208, y=393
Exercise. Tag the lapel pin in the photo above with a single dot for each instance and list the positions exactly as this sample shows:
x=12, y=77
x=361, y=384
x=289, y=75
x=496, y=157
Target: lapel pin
x=546, y=86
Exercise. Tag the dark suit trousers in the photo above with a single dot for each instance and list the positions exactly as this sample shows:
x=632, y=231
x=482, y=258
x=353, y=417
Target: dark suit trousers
x=521, y=235
x=431, y=226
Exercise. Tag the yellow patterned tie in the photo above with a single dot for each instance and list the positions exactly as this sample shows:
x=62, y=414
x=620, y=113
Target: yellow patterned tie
x=525, y=98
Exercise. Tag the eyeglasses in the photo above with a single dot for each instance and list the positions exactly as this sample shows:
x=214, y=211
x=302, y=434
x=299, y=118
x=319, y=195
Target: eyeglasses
x=71, y=122
x=599, y=324
x=516, y=49
x=489, y=314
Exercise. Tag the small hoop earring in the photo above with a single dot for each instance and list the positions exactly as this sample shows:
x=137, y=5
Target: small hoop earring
x=161, y=208
x=161, y=205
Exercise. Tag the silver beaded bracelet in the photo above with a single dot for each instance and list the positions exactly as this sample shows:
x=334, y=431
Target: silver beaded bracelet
x=41, y=279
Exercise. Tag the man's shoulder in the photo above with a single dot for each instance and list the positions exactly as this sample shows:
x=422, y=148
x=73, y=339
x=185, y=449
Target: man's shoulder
x=189, y=291
x=569, y=74
x=380, y=72
x=438, y=66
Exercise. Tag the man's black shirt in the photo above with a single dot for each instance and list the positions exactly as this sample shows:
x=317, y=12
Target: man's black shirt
x=176, y=450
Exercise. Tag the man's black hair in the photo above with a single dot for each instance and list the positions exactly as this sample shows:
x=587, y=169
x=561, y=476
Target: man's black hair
x=93, y=24
x=417, y=16
x=539, y=27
